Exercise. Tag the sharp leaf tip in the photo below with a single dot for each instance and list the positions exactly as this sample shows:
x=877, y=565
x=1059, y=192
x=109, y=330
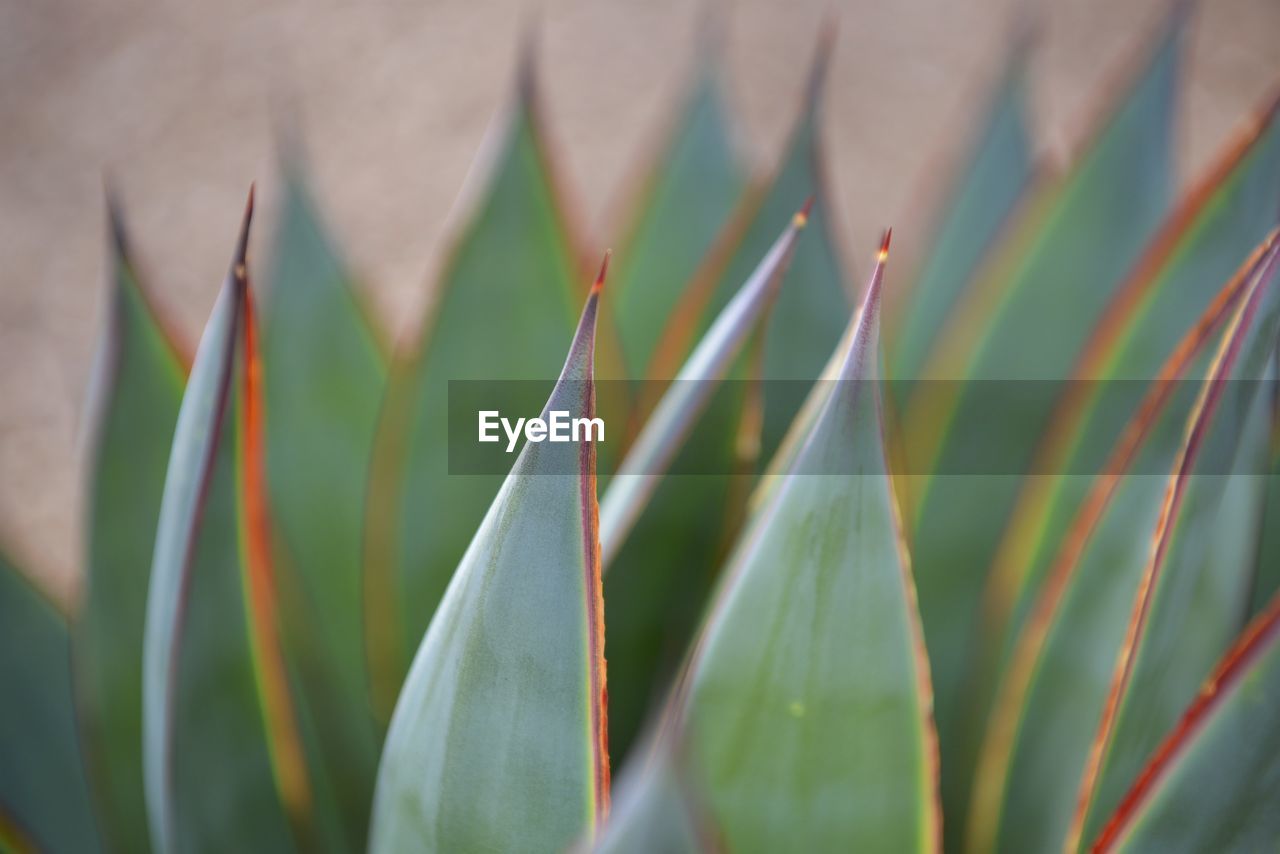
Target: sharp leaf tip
x=604, y=271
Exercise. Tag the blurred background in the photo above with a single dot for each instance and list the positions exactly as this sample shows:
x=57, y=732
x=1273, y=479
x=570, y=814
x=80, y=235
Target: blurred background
x=177, y=102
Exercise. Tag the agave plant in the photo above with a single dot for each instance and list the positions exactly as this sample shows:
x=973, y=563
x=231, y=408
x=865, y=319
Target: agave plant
x=980, y=556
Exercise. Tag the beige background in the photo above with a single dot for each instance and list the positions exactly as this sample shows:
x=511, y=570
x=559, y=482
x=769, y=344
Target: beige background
x=172, y=100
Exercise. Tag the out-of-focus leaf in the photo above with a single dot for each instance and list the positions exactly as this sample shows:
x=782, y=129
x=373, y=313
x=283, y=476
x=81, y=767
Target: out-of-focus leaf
x=806, y=712
x=1204, y=240
x=498, y=741
x=686, y=198
x=991, y=180
x=1266, y=580
x=325, y=373
x=806, y=321
x=1023, y=320
x=45, y=804
x=1056, y=687
x=504, y=307
x=1211, y=785
x=223, y=764
x=1207, y=238
x=139, y=383
x=655, y=808
x=665, y=572
x=1195, y=589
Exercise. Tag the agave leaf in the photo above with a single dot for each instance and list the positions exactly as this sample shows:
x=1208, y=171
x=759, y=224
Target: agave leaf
x=682, y=522
x=1195, y=589
x=678, y=410
x=1209, y=236
x=512, y=275
x=1206, y=238
x=139, y=381
x=1056, y=687
x=656, y=809
x=498, y=741
x=1211, y=785
x=685, y=199
x=325, y=373
x=807, y=319
x=994, y=177
x=45, y=803
x=806, y=709
x=223, y=765
x=1023, y=321
x=1267, y=574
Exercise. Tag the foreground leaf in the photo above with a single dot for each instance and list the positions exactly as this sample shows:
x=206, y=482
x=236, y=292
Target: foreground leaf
x=1057, y=685
x=222, y=757
x=44, y=793
x=512, y=275
x=1211, y=785
x=139, y=384
x=806, y=712
x=325, y=374
x=1024, y=321
x=498, y=741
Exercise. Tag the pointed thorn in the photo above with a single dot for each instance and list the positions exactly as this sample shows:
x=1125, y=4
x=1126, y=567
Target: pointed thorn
x=801, y=219
x=604, y=270
x=884, y=246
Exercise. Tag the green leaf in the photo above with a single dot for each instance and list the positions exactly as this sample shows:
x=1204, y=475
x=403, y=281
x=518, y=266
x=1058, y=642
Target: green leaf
x=808, y=318
x=325, y=374
x=498, y=741
x=686, y=198
x=1195, y=590
x=222, y=760
x=45, y=802
x=139, y=382
x=805, y=714
x=688, y=394
x=683, y=522
x=503, y=308
x=1266, y=580
x=1024, y=320
x=1057, y=685
x=1205, y=239
x=1211, y=785
x=991, y=182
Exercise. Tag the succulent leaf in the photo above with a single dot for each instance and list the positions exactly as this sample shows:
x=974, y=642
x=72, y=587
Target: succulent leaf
x=325, y=373
x=993, y=180
x=1211, y=785
x=805, y=711
x=223, y=764
x=140, y=377
x=685, y=198
x=45, y=802
x=498, y=741
x=682, y=523
x=512, y=272
x=1024, y=320
x=1196, y=585
x=1056, y=687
